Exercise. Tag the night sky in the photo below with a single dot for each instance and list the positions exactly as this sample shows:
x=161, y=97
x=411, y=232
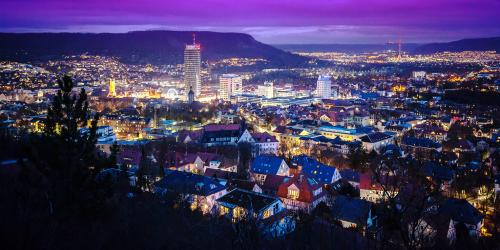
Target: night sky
x=271, y=21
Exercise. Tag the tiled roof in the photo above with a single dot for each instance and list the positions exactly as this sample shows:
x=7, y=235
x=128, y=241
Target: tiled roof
x=188, y=183
x=305, y=185
x=218, y=173
x=266, y=164
x=263, y=137
x=420, y=142
x=349, y=175
x=247, y=199
x=351, y=209
x=439, y=172
x=220, y=127
x=461, y=211
x=375, y=137
x=312, y=168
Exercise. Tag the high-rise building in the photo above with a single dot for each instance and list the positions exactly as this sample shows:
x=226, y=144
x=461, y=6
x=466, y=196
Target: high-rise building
x=230, y=84
x=266, y=90
x=324, y=87
x=112, y=88
x=418, y=75
x=192, y=65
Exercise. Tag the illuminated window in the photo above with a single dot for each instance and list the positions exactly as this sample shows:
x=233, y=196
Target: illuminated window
x=267, y=213
x=223, y=210
x=293, y=194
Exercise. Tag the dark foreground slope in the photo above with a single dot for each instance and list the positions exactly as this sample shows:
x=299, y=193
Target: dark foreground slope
x=157, y=47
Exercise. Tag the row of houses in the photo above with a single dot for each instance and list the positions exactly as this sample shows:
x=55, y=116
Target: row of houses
x=214, y=135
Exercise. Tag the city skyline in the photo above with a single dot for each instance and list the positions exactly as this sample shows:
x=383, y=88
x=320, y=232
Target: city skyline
x=319, y=21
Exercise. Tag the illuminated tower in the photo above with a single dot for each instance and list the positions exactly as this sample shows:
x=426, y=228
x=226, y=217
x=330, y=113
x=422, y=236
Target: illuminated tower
x=112, y=88
x=399, y=50
x=192, y=65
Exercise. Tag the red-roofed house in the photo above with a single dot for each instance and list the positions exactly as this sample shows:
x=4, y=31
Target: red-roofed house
x=195, y=162
x=301, y=193
x=371, y=190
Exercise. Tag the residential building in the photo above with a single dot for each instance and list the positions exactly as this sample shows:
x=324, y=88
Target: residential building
x=353, y=212
x=200, y=191
x=301, y=193
x=221, y=134
x=376, y=141
x=322, y=173
x=265, y=165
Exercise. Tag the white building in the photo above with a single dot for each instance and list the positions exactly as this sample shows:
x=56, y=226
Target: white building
x=192, y=65
x=324, y=87
x=230, y=84
x=266, y=90
x=418, y=75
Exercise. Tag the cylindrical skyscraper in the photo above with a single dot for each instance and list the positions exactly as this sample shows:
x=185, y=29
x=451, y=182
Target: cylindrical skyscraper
x=192, y=65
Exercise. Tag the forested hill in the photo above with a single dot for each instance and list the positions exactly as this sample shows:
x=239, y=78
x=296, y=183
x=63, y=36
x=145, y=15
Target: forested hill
x=156, y=47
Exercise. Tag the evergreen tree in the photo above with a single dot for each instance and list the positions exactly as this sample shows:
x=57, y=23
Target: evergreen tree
x=65, y=155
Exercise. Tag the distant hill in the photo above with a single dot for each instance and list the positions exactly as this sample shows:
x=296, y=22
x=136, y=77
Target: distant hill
x=476, y=44
x=156, y=47
x=344, y=48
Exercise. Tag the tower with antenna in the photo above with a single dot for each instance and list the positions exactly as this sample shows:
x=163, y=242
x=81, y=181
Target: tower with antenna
x=399, y=50
x=192, y=65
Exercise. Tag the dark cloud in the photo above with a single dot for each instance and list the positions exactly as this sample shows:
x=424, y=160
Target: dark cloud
x=269, y=20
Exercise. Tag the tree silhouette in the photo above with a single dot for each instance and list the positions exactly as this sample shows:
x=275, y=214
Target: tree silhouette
x=64, y=155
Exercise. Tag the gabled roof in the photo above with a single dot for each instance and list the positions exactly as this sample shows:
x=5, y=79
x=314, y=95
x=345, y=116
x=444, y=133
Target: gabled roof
x=130, y=155
x=193, y=135
x=438, y=172
x=221, y=127
x=420, y=142
x=220, y=131
x=266, y=164
x=263, y=137
x=247, y=199
x=218, y=173
x=461, y=210
x=305, y=185
x=367, y=182
x=273, y=182
x=351, y=209
x=312, y=168
x=242, y=184
x=188, y=183
x=375, y=137
x=349, y=175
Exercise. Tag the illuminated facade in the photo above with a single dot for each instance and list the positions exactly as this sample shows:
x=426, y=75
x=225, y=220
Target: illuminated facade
x=112, y=88
x=230, y=84
x=266, y=90
x=192, y=65
x=324, y=87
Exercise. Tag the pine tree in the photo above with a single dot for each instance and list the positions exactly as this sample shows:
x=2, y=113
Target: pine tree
x=65, y=154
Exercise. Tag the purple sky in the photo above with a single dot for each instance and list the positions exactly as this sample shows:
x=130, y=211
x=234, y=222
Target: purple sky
x=271, y=21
